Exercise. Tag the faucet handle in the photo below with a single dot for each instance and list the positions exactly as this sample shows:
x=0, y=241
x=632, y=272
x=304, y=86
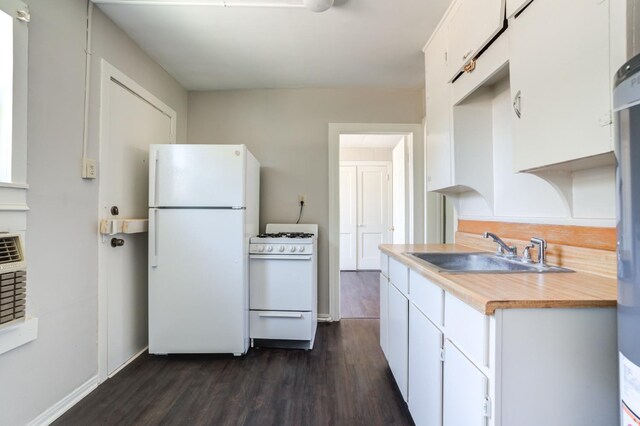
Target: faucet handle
x=526, y=254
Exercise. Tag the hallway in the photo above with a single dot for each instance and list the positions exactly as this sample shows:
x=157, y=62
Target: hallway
x=360, y=294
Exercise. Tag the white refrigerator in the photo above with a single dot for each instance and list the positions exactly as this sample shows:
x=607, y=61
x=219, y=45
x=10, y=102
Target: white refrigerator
x=203, y=208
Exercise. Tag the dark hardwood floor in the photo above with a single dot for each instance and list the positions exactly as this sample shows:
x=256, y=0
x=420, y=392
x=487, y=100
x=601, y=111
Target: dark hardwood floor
x=360, y=294
x=343, y=381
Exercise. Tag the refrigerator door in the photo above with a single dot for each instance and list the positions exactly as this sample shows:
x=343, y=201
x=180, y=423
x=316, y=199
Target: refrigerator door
x=198, y=281
x=626, y=98
x=197, y=175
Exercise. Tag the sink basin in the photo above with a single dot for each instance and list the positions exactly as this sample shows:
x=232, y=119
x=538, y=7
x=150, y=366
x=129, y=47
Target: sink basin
x=481, y=263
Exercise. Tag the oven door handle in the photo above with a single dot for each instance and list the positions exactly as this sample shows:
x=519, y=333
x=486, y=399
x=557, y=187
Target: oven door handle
x=280, y=315
x=280, y=256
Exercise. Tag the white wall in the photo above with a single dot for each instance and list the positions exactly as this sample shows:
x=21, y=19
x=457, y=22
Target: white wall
x=287, y=131
x=62, y=241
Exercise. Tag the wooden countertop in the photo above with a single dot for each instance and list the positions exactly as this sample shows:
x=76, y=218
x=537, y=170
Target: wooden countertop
x=488, y=292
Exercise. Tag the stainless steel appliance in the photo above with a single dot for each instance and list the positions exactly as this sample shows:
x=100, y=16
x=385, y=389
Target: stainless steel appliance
x=626, y=99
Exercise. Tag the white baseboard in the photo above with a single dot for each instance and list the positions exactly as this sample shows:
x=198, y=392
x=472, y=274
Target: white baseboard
x=324, y=318
x=61, y=407
x=129, y=361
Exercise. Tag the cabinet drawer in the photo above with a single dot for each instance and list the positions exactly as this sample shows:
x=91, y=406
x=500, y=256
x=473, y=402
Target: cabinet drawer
x=384, y=264
x=467, y=329
x=285, y=325
x=427, y=297
x=399, y=276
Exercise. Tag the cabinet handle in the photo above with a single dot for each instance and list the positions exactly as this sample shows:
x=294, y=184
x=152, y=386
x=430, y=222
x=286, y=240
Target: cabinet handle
x=517, y=99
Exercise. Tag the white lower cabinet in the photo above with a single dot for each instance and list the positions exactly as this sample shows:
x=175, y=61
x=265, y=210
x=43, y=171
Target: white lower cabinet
x=384, y=314
x=398, y=340
x=456, y=366
x=425, y=370
x=464, y=390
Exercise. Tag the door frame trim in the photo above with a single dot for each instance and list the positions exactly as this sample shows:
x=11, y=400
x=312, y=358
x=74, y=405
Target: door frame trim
x=109, y=74
x=389, y=167
x=416, y=194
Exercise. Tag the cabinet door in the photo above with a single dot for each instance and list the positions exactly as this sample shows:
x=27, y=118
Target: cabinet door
x=398, y=343
x=472, y=26
x=464, y=390
x=384, y=314
x=438, y=114
x=559, y=70
x=425, y=370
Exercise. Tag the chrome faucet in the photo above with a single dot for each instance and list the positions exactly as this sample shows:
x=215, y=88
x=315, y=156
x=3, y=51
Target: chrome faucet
x=503, y=248
x=542, y=249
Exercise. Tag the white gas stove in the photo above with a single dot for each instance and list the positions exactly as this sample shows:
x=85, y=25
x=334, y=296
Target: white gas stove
x=284, y=285
x=277, y=240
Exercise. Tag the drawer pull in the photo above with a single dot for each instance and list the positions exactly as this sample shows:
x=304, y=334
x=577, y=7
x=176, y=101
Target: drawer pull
x=280, y=315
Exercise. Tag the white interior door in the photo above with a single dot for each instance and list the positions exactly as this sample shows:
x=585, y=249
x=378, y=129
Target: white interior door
x=398, y=228
x=348, y=218
x=132, y=124
x=373, y=214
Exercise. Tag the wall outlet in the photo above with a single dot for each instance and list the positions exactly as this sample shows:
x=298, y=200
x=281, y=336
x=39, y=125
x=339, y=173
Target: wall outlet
x=300, y=198
x=89, y=168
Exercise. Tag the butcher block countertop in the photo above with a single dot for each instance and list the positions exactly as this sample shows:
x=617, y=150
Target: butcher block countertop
x=487, y=292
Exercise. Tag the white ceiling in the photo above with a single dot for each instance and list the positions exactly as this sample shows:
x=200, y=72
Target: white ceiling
x=369, y=141
x=356, y=43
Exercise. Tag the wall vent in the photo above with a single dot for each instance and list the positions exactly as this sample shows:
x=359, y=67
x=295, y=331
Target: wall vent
x=13, y=280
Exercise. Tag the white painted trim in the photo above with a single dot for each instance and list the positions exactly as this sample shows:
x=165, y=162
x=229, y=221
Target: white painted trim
x=110, y=73
x=16, y=335
x=14, y=185
x=324, y=318
x=129, y=361
x=59, y=408
x=20, y=207
x=365, y=163
x=335, y=130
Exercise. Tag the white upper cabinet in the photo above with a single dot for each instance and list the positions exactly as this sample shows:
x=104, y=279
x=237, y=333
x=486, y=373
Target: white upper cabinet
x=438, y=114
x=515, y=6
x=473, y=24
x=560, y=82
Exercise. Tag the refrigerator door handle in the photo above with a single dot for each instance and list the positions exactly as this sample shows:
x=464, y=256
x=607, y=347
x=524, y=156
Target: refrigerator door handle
x=153, y=238
x=153, y=179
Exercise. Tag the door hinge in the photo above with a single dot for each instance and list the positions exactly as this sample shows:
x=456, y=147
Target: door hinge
x=443, y=354
x=486, y=407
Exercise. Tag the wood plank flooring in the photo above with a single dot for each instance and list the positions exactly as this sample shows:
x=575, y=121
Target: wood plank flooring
x=343, y=381
x=360, y=294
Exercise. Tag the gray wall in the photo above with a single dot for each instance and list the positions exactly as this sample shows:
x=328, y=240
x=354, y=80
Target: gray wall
x=287, y=131
x=62, y=241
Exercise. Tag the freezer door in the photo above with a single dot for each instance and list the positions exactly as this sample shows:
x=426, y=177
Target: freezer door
x=197, y=175
x=198, y=281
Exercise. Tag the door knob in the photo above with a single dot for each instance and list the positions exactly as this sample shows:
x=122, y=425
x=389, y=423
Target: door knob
x=117, y=242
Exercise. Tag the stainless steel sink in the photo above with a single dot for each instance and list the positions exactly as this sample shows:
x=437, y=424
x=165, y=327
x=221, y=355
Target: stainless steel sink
x=478, y=263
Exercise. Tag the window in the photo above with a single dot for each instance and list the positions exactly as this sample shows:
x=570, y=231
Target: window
x=14, y=17
x=6, y=95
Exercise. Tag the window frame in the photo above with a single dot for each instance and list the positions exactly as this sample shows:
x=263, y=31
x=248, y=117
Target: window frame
x=19, y=108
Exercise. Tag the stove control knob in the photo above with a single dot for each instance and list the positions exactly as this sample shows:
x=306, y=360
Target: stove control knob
x=281, y=248
x=260, y=249
x=269, y=249
x=292, y=249
x=301, y=249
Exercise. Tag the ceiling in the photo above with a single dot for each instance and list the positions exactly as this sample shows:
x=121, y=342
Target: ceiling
x=369, y=141
x=356, y=43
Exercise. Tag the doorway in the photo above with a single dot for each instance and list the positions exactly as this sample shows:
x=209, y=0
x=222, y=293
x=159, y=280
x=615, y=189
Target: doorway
x=130, y=120
x=373, y=205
